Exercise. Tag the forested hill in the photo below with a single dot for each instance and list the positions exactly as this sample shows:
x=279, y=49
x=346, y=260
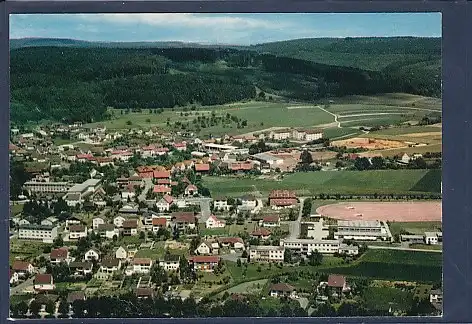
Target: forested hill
x=78, y=83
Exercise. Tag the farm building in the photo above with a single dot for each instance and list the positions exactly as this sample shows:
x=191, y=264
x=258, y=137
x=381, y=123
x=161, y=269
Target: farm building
x=362, y=230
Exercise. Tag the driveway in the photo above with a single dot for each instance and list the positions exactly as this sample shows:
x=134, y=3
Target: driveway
x=232, y=257
x=204, y=206
x=294, y=227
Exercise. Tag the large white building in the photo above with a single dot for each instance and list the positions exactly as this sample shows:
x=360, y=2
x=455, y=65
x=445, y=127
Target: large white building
x=45, y=233
x=268, y=253
x=76, y=194
x=362, y=230
x=47, y=187
x=307, y=246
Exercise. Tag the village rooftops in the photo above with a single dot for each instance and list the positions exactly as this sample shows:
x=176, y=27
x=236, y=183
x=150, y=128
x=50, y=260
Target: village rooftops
x=159, y=221
x=230, y=240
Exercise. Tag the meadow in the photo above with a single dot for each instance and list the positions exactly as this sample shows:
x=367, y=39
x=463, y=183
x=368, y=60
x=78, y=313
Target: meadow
x=414, y=227
x=346, y=182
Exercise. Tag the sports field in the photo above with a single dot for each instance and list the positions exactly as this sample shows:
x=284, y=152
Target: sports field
x=345, y=182
x=417, y=211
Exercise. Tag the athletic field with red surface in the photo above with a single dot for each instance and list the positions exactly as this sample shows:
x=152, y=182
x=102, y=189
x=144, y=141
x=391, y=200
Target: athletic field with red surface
x=384, y=211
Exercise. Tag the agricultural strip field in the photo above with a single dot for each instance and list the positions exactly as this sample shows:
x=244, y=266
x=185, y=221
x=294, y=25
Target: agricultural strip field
x=393, y=99
x=345, y=182
x=395, y=265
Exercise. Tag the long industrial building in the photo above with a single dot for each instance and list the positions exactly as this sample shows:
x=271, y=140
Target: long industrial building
x=362, y=230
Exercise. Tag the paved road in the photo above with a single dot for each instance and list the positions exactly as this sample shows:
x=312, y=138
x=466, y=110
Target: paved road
x=232, y=257
x=147, y=187
x=204, y=206
x=400, y=248
x=294, y=226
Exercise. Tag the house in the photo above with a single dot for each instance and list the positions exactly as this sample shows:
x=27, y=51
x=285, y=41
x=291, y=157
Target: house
x=142, y=265
x=180, y=146
x=248, y=203
x=81, y=268
x=213, y=222
x=266, y=253
x=164, y=203
x=75, y=296
x=282, y=199
x=77, y=231
x=43, y=282
x=50, y=221
x=432, y=237
x=279, y=135
x=158, y=223
x=60, y=255
x=144, y=293
x=191, y=190
x=22, y=268
x=170, y=262
x=204, y=263
x=204, y=249
x=97, y=221
x=118, y=221
x=436, y=296
x=128, y=193
x=13, y=277
x=183, y=220
x=108, y=231
x=236, y=243
x=162, y=189
x=282, y=290
x=108, y=267
x=313, y=135
x=121, y=253
x=338, y=284
x=92, y=254
x=261, y=233
x=221, y=204
x=130, y=227
x=161, y=174
x=404, y=158
x=271, y=221
x=202, y=168
x=44, y=233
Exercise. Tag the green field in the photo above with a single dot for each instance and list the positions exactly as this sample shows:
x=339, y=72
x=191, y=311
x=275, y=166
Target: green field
x=395, y=265
x=431, y=182
x=414, y=227
x=393, y=99
x=345, y=132
x=25, y=250
x=346, y=182
x=382, y=298
x=405, y=130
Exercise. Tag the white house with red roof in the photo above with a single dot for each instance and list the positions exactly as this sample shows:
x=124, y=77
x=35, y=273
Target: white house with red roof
x=213, y=222
x=22, y=268
x=60, y=255
x=338, y=283
x=180, y=146
x=142, y=265
x=162, y=189
x=164, y=203
x=204, y=262
x=43, y=282
x=271, y=221
x=123, y=155
x=191, y=190
x=158, y=223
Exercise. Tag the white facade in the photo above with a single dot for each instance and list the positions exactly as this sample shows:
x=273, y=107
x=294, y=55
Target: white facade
x=47, y=234
x=142, y=267
x=97, y=221
x=118, y=221
x=203, y=248
x=313, y=136
x=362, y=230
x=47, y=187
x=91, y=254
x=121, y=253
x=221, y=205
x=213, y=222
x=307, y=246
x=267, y=253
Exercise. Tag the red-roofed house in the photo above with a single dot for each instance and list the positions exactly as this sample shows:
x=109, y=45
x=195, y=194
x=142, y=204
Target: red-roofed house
x=184, y=220
x=213, y=222
x=43, y=282
x=180, y=146
x=60, y=255
x=142, y=265
x=241, y=167
x=261, y=233
x=161, y=174
x=202, y=167
x=164, y=203
x=161, y=189
x=84, y=157
x=159, y=222
x=23, y=268
x=191, y=190
x=271, y=221
x=282, y=290
x=282, y=198
x=145, y=172
x=164, y=182
x=233, y=242
x=204, y=263
x=338, y=283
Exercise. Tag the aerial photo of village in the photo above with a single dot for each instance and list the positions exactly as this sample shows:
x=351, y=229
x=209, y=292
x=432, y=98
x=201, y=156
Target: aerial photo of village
x=225, y=165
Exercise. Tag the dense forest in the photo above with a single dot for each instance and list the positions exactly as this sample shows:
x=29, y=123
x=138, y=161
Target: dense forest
x=70, y=83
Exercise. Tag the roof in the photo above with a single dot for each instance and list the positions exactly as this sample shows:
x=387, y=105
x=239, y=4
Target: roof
x=161, y=189
x=274, y=194
x=359, y=223
x=271, y=219
x=45, y=278
x=75, y=295
x=20, y=265
x=130, y=223
x=337, y=281
x=168, y=199
x=161, y=174
x=110, y=262
x=144, y=292
x=60, y=253
x=78, y=264
x=171, y=257
x=163, y=181
x=248, y=197
x=230, y=240
x=202, y=167
x=184, y=217
x=160, y=221
x=191, y=187
x=261, y=232
x=145, y=261
x=283, y=202
x=205, y=258
x=77, y=228
x=281, y=287
x=106, y=227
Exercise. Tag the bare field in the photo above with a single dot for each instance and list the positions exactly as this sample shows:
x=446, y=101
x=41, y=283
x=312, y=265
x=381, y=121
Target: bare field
x=384, y=211
x=368, y=143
